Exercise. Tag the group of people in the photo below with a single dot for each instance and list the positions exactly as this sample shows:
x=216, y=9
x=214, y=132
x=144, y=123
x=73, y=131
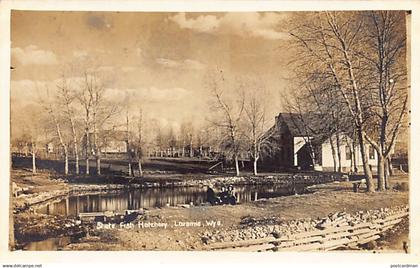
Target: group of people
x=226, y=196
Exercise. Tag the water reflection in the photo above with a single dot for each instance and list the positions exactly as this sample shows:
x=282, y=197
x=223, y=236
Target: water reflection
x=158, y=197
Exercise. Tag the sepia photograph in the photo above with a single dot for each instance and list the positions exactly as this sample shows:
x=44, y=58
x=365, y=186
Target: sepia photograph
x=259, y=131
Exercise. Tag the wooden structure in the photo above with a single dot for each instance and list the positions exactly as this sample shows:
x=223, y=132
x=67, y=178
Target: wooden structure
x=333, y=237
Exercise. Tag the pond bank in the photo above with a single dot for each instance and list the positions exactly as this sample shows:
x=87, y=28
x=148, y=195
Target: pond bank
x=36, y=189
x=187, y=227
x=192, y=228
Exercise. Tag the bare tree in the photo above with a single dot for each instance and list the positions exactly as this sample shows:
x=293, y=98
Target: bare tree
x=86, y=100
x=362, y=54
x=34, y=150
x=330, y=41
x=328, y=119
x=128, y=144
x=67, y=97
x=26, y=131
x=54, y=112
x=97, y=111
x=187, y=137
x=185, y=130
x=140, y=141
x=255, y=109
x=158, y=139
x=230, y=115
x=385, y=54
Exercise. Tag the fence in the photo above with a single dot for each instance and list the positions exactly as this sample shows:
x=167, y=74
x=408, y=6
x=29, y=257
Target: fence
x=338, y=234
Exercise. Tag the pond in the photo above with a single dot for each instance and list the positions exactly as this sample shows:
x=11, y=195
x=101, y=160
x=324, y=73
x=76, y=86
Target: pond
x=133, y=199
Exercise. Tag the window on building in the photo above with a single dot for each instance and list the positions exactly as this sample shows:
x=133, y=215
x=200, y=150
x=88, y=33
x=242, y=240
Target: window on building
x=348, y=152
x=371, y=152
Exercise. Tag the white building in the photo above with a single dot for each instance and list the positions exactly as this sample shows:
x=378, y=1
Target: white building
x=294, y=148
x=348, y=154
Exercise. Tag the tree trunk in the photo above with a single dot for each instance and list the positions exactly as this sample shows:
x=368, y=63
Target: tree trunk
x=129, y=168
x=366, y=168
x=66, y=161
x=348, y=144
x=358, y=108
x=191, y=149
x=75, y=146
x=76, y=158
x=95, y=144
x=390, y=167
x=183, y=148
x=63, y=144
x=386, y=173
x=340, y=169
x=256, y=156
x=334, y=156
x=73, y=131
x=87, y=165
x=237, y=165
x=356, y=168
x=87, y=153
x=381, y=172
x=128, y=147
x=33, y=159
x=255, y=166
x=140, y=168
x=98, y=164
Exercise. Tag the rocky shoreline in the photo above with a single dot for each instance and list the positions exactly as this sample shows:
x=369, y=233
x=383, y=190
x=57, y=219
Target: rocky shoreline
x=251, y=228
x=246, y=221
x=26, y=201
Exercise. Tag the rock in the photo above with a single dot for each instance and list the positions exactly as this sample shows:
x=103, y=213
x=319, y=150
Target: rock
x=370, y=245
x=276, y=235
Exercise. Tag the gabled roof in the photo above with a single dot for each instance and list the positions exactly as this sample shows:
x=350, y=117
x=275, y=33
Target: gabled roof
x=298, y=124
x=310, y=125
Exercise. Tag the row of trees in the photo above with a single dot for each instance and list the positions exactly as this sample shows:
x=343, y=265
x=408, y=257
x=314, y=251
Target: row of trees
x=236, y=126
x=73, y=112
x=79, y=115
x=240, y=116
x=351, y=76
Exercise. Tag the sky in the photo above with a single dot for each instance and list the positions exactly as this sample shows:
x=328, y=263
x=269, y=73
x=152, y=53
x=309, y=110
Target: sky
x=160, y=60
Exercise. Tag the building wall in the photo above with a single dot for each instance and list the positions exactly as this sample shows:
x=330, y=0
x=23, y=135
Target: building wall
x=114, y=147
x=328, y=161
x=281, y=157
x=286, y=146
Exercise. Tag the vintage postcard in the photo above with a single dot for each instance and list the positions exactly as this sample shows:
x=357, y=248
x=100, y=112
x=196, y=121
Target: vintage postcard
x=211, y=130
